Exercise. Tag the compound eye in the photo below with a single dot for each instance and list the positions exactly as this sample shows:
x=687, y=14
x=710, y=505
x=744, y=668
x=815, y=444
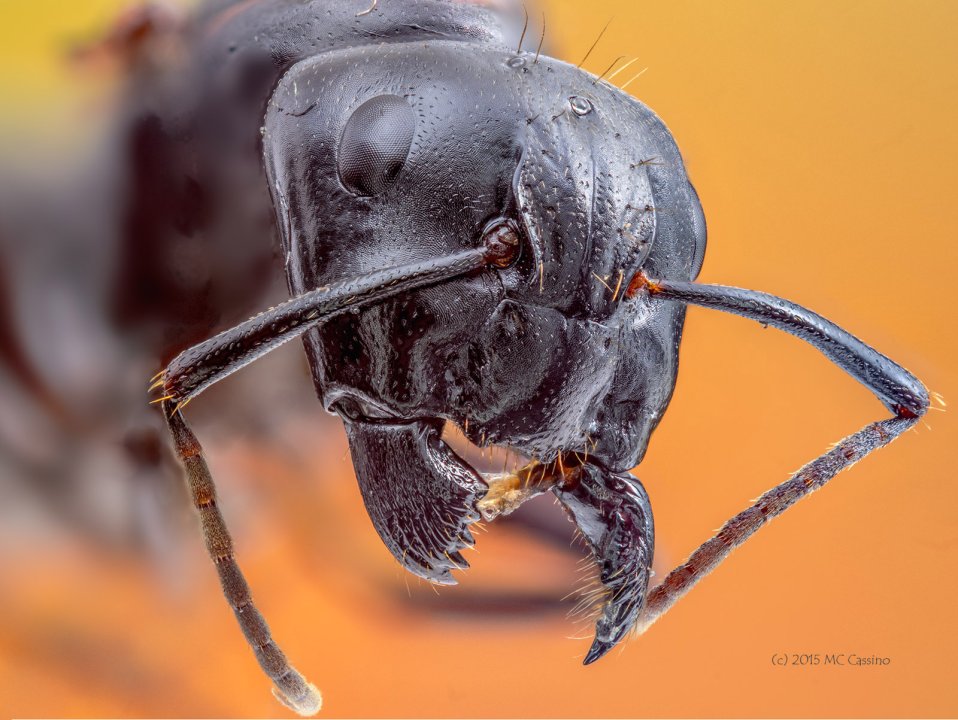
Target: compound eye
x=701, y=235
x=375, y=144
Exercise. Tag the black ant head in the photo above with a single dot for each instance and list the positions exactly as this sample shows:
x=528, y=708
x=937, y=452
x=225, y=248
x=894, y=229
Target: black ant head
x=383, y=155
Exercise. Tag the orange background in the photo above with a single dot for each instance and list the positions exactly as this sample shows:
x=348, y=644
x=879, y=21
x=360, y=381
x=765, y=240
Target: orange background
x=821, y=137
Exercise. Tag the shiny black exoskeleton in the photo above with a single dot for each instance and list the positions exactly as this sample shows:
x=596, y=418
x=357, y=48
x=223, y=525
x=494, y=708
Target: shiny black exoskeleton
x=428, y=146
x=478, y=235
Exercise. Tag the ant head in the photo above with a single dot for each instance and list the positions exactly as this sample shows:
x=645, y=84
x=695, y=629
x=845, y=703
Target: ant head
x=383, y=155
